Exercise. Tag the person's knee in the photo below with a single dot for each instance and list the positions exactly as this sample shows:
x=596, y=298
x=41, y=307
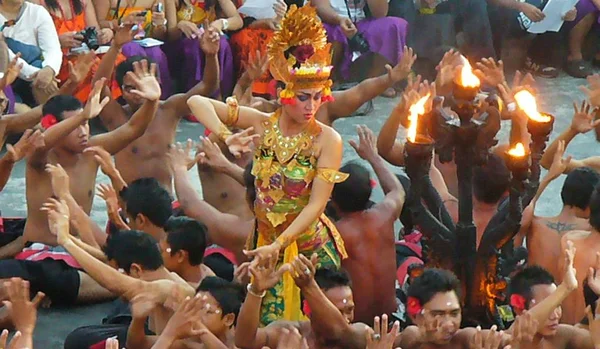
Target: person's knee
x=394, y=24
x=42, y=95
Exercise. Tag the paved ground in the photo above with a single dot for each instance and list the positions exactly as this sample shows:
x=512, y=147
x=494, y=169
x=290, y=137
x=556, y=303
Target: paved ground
x=556, y=97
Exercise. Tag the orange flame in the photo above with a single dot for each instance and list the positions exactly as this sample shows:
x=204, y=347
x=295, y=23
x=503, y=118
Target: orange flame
x=518, y=151
x=528, y=104
x=467, y=78
x=416, y=110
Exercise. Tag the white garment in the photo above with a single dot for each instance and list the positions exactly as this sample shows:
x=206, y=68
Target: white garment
x=35, y=27
x=356, y=8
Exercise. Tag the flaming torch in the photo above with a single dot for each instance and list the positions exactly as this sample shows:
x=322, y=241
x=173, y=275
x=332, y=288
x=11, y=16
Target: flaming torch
x=419, y=147
x=466, y=85
x=518, y=161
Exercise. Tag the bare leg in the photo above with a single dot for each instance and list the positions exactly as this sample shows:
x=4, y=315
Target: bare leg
x=90, y=291
x=577, y=36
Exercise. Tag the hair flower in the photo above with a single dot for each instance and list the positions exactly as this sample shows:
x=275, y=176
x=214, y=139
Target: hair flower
x=48, y=121
x=517, y=302
x=413, y=306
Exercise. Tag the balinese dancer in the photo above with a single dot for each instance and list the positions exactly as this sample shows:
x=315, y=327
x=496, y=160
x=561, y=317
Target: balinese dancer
x=296, y=162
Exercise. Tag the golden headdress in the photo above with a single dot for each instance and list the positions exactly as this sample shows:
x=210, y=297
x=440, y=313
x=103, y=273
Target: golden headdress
x=302, y=37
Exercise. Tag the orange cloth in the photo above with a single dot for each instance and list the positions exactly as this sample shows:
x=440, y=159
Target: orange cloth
x=75, y=24
x=244, y=45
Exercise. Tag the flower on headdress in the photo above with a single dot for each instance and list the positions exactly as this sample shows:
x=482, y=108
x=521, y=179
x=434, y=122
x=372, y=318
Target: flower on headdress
x=306, y=308
x=48, y=121
x=413, y=306
x=517, y=302
x=303, y=52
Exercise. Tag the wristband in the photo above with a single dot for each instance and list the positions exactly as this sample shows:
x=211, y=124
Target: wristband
x=261, y=295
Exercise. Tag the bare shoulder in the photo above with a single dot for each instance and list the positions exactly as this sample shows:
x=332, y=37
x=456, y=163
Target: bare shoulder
x=575, y=235
x=328, y=136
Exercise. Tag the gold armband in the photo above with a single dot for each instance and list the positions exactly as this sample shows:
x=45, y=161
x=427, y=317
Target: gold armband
x=331, y=176
x=233, y=111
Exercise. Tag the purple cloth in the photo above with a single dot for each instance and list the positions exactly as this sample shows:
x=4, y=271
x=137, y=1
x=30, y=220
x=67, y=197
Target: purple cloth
x=10, y=95
x=160, y=58
x=584, y=8
x=386, y=36
x=187, y=59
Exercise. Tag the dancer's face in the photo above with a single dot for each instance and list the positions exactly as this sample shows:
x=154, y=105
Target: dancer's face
x=307, y=103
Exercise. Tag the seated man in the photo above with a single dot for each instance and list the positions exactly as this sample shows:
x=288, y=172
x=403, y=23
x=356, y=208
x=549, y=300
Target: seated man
x=351, y=31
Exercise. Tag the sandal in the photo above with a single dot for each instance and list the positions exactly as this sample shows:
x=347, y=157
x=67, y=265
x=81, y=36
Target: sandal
x=578, y=69
x=541, y=70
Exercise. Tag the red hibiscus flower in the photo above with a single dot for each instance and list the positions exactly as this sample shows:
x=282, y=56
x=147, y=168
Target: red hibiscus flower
x=517, y=302
x=305, y=308
x=413, y=306
x=304, y=52
x=48, y=121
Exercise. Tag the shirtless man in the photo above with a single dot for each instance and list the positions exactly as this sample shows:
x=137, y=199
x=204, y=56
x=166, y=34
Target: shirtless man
x=66, y=138
x=588, y=245
x=543, y=234
x=146, y=156
x=368, y=233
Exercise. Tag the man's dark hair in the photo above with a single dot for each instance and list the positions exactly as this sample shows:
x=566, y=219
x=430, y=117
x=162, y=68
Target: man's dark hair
x=189, y=235
x=328, y=278
x=522, y=282
x=432, y=282
x=127, y=65
x=229, y=295
x=579, y=186
x=127, y=247
x=59, y=104
x=147, y=197
x=353, y=194
x=595, y=209
x=491, y=180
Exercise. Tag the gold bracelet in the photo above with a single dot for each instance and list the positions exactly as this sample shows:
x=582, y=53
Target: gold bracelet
x=233, y=111
x=224, y=132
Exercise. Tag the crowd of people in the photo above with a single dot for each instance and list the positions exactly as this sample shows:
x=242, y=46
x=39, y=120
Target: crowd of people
x=285, y=248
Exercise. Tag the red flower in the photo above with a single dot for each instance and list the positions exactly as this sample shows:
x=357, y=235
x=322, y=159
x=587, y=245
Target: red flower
x=48, y=121
x=304, y=52
x=373, y=183
x=413, y=306
x=517, y=302
x=305, y=308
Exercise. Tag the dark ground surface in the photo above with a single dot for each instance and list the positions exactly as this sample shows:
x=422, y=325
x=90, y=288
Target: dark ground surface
x=556, y=97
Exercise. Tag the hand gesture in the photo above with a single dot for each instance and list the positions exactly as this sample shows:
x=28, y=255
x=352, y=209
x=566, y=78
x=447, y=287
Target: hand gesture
x=189, y=29
x=109, y=195
x=70, y=40
x=21, y=309
x=13, y=342
x=257, y=66
x=104, y=160
x=570, y=278
x=28, y=143
x=367, y=147
x=490, y=72
x=264, y=252
x=583, y=118
x=402, y=69
x=241, y=274
x=593, y=93
x=242, y=142
x=145, y=81
x=123, y=35
x=570, y=16
x=594, y=323
x=532, y=12
x=303, y=269
x=43, y=78
x=291, y=339
x=94, y=106
x=379, y=337
x=210, y=155
x=79, y=71
x=524, y=330
x=559, y=165
x=593, y=278
x=180, y=156
x=348, y=27
x=13, y=70
x=58, y=219
x=264, y=274
x=490, y=341
x=280, y=8
x=158, y=18
x=446, y=68
x=60, y=181
x=111, y=343
x=143, y=304
x=105, y=36
x=186, y=321
x=210, y=40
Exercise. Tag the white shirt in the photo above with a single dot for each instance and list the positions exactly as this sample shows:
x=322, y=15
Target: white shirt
x=356, y=8
x=35, y=27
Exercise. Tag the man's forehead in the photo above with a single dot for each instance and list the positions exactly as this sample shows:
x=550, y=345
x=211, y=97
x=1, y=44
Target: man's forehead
x=443, y=301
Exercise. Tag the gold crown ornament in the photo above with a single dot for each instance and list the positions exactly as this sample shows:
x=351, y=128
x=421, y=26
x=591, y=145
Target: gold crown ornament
x=303, y=39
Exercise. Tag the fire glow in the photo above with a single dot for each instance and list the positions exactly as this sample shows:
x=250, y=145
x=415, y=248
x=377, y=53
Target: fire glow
x=518, y=151
x=416, y=110
x=526, y=101
x=467, y=78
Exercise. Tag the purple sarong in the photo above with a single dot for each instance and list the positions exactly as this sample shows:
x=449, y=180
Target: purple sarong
x=160, y=58
x=187, y=60
x=10, y=95
x=386, y=36
x=584, y=8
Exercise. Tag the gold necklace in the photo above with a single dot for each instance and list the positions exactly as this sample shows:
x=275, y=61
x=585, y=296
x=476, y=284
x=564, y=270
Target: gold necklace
x=286, y=147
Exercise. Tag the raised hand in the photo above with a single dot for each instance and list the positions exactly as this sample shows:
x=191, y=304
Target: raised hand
x=559, y=165
x=593, y=92
x=13, y=342
x=594, y=323
x=58, y=219
x=21, y=309
x=446, y=68
x=264, y=274
x=241, y=274
x=583, y=118
x=257, y=66
x=402, y=69
x=79, y=71
x=490, y=71
x=570, y=278
x=29, y=142
x=593, y=278
x=303, y=269
x=209, y=154
x=367, y=147
x=144, y=303
x=378, y=337
x=94, y=106
x=123, y=35
x=524, y=330
x=210, y=40
x=291, y=338
x=104, y=160
x=60, y=181
x=111, y=343
x=180, y=156
x=13, y=70
x=280, y=8
x=490, y=341
x=145, y=81
x=186, y=321
x=241, y=143
x=189, y=29
x=109, y=195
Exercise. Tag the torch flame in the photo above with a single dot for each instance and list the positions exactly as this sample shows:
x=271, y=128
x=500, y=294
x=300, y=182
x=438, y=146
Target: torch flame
x=467, y=78
x=518, y=151
x=528, y=104
x=416, y=110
